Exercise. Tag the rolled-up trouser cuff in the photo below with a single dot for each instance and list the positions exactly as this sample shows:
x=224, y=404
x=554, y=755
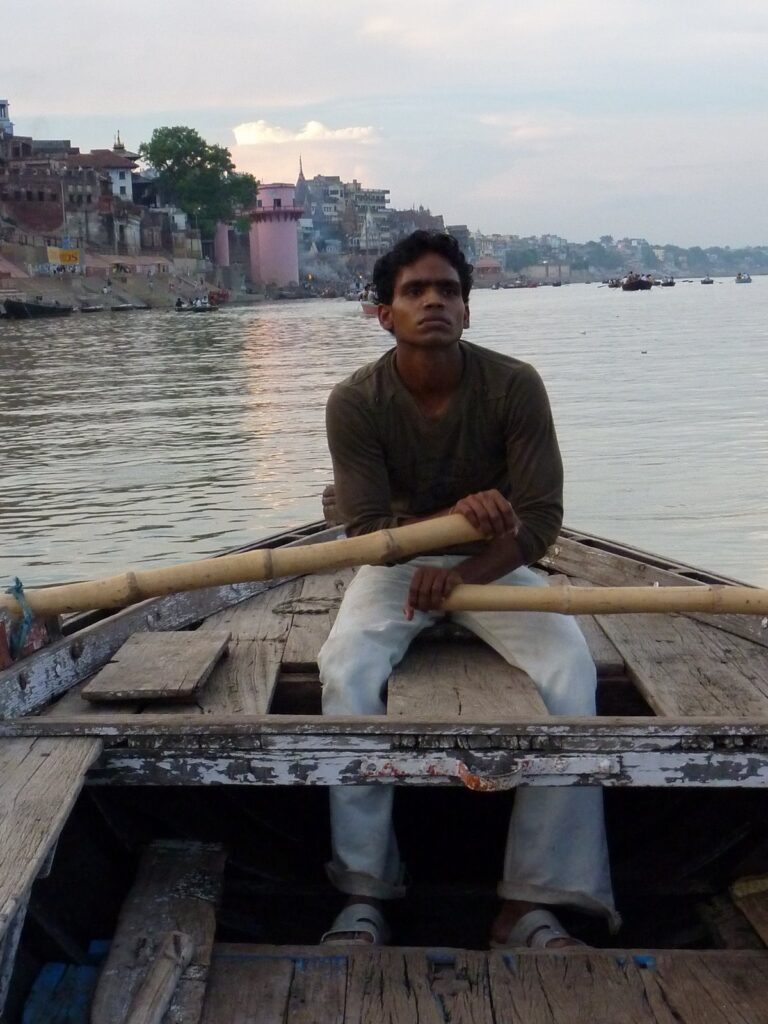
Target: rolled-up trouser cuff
x=560, y=898
x=356, y=883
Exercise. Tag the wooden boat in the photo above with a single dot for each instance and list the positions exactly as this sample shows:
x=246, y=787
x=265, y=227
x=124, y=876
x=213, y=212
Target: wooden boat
x=667, y=282
x=206, y=308
x=91, y=309
x=206, y=821
x=28, y=309
x=636, y=283
x=369, y=308
x=743, y=278
x=707, y=280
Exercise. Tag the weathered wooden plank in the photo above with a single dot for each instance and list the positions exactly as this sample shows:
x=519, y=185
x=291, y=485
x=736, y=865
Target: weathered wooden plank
x=243, y=989
x=260, y=618
x=723, y=988
x=751, y=897
x=382, y=989
x=9, y=944
x=39, y=783
x=609, y=569
x=243, y=683
x=686, y=668
x=569, y=989
x=726, y=924
x=318, y=991
x=158, y=666
x=30, y=684
x=314, y=612
x=177, y=888
x=460, y=985
x=460, y=680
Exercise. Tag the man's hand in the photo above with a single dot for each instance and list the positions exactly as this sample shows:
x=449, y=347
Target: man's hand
x=489, y=512
x=429, y=588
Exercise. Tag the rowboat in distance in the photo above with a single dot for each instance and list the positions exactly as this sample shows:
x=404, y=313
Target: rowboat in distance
x=29, y=309
x=163, y=782
x=91, y=309
x=743, y=278
x=707, y=280
x=369, y=308
x=637, y=283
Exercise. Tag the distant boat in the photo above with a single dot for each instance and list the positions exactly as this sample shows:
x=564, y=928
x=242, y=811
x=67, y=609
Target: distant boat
x=636, y=283
x=91, y=309
x=667, y=282
x=369, y=308
x=743, y=278
x=22, y=309
x=707, y=280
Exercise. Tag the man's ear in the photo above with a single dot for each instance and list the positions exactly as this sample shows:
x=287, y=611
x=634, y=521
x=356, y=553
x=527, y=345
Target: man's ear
x=466, y=316
x=385, y=318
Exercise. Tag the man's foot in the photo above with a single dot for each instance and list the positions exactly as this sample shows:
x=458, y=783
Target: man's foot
x=360, y=923
x=521, y=924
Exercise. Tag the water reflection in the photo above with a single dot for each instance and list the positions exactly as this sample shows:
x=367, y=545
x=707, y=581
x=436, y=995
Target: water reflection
x=151, y=438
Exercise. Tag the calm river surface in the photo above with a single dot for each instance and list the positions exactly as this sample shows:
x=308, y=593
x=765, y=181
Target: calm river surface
x=147, y=438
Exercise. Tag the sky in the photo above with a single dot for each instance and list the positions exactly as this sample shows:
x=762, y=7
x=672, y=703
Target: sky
x=577, y=118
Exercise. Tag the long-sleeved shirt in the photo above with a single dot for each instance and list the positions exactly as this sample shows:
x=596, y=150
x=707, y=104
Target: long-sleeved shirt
x=391, y=462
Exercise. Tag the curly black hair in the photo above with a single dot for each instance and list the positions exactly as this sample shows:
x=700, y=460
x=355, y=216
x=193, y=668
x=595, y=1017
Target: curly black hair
x=412, y=248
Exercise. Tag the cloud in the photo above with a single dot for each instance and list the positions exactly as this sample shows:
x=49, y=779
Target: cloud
x=262, y=133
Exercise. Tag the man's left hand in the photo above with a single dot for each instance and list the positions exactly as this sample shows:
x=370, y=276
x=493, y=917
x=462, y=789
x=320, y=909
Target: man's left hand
x=429, y=588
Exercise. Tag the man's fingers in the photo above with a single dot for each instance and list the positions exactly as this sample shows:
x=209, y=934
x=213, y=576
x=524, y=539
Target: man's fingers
x=489, y=512
x=428, y=589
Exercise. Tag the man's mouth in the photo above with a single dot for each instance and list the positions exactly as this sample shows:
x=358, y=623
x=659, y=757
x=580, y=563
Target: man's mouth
x=432, y=321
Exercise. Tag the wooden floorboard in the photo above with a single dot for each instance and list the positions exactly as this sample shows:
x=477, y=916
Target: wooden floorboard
x=685, y=668
x=460, y=680
x=177, y=889
x=313, y=613
x=349, y=985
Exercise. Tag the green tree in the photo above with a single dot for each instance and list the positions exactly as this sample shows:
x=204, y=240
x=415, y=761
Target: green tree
x=198, y=177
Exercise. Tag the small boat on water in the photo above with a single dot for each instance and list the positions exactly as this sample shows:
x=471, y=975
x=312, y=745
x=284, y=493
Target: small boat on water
x=202, y=307
x=91, y=309
x=667, y=282
x=742, y=278
x=637, y=283
x=369, y=308
x=707, y=280
x=184, y=828
x=28, y=309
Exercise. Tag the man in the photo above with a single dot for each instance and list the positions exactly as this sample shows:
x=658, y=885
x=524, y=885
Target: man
x=435, y=426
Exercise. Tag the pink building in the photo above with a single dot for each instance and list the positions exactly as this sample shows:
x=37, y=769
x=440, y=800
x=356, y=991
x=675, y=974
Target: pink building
x=274, y=242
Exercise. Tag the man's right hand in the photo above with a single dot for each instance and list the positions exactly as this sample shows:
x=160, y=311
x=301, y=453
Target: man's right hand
x=489, y=512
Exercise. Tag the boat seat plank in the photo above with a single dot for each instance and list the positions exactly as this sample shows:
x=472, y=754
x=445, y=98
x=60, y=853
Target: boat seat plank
x=685, y=668
x=262, y=617
x=313, y=613
x=177, y=888
x=609, y=569
x=460, y=680
x=40, y=780
x=347, y=985
x=158, y=666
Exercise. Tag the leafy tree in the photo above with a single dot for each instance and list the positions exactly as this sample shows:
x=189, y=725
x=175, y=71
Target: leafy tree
x=198, y=177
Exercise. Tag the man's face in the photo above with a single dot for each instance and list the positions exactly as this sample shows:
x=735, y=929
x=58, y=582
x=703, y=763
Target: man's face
x=427, y=309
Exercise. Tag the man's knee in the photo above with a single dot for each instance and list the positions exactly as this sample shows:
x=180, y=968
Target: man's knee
x=352, y=677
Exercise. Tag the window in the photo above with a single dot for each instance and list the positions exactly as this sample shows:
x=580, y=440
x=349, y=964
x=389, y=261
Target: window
x=121, y=175
x=122, y=190
x=41, y=196
x=278, y=203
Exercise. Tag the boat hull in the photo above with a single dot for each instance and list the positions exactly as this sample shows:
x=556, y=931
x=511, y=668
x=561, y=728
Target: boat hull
x=18, y=309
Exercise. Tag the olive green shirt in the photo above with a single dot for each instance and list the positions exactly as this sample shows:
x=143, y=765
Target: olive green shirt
x=390, y=462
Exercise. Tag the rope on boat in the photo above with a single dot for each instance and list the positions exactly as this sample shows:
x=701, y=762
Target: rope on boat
x=20, y=631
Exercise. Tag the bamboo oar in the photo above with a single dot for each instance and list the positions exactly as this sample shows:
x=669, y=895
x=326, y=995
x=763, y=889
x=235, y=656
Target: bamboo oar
x=385, y=546
x=263, y=564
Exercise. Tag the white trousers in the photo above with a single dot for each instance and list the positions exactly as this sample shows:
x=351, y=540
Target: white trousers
x=556, y=851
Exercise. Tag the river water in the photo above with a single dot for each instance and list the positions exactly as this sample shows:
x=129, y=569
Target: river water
x=145, y=438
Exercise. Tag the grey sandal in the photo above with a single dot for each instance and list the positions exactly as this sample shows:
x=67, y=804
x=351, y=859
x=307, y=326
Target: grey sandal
x=359, y=919
x=535, y=930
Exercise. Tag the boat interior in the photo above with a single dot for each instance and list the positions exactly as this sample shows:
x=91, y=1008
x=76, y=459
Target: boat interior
x=163, y=781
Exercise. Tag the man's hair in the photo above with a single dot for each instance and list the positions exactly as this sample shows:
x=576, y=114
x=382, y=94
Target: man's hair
x=410, y=249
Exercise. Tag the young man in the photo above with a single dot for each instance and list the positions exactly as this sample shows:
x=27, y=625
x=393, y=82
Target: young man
x=435, y=426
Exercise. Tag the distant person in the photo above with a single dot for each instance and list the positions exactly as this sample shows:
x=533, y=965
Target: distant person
x=437, y=425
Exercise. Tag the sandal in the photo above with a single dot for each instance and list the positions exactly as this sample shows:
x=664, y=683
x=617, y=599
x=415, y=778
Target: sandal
x=359, y=919
x=535, y=930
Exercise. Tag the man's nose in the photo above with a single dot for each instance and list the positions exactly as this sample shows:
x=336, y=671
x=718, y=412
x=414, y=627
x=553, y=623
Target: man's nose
x=433, y=296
